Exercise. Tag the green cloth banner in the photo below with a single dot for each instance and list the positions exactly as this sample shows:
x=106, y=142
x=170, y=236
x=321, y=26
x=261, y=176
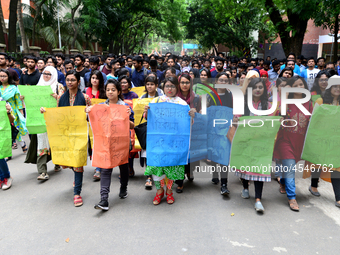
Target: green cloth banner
x=35, y=98
x=5, y=133
x=253, y=144
x=323, y=138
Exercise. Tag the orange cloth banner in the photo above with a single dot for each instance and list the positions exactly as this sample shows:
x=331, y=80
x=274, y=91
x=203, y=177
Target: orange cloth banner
x=111, y=140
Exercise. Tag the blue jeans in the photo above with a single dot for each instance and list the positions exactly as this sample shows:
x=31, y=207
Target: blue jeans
x=4, y=172
x=288, y=177
x=78, y=182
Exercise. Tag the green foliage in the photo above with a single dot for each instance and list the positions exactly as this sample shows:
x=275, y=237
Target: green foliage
x=126, y=25
x=226, y=22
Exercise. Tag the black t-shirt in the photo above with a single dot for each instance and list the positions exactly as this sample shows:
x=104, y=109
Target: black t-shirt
x=30, y=79
x=227, y=100
x=83, y=72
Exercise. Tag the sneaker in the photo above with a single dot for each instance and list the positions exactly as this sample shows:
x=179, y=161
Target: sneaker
x=259, y=207
x=43, y=177
x=224, y=190
x=215, y=181
x=103, y=204
x=123, y=192
x=7, y=183
x=245, y=193
x=96, y=176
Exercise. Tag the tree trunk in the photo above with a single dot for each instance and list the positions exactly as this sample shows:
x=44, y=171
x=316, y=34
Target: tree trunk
x=75, y=31
x=22, y=30
x=295, y=43
x=12, y=38
x=290, y=43
x=336, y=30
x=111, y=47
x=37, y=14
x=3, y=27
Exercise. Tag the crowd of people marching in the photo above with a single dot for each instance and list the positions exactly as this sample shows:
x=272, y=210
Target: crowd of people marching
x=175, y=79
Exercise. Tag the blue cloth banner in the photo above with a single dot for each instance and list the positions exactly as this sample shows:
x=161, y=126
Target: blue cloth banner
x=218, y=143
x=199, y=138
x=190, y=46
x=168, y=134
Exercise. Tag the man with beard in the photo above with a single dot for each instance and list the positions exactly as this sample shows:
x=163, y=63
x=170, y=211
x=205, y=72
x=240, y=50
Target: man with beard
x=32, y=75
x=219, y=67
x=4, y=61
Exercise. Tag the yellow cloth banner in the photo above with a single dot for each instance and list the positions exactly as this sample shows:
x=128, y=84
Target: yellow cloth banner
x=67, y=135
x=138, y=108
x=97, y=101
x=139, y=91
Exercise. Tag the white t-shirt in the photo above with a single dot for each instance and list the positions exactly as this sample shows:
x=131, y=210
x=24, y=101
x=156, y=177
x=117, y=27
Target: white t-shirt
x=311, y=74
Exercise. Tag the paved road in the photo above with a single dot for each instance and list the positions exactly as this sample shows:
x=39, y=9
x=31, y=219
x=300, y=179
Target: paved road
x=38, y=217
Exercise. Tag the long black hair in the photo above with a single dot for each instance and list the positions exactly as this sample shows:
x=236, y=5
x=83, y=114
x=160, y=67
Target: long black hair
x=102, y=93
x=263, y=97
x=292, y=80
x=316, y=86
x=328, y=98
x=10, y=78
x=118, y=87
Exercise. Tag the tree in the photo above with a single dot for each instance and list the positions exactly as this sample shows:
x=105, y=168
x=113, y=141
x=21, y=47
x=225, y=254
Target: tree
x=22, y=29
x=37, y=13
x=3, y=27
x=121, y=25
x=12, y=38
x=290, y=20
x=328, y=17
x=223, y=22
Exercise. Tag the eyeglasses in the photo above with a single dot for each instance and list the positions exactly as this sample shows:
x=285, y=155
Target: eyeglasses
x=48, y=74
x=185, y=83
x=3, y=76
x=71, y=80
x=323, y=80
x=223, y=81
x=169, y=87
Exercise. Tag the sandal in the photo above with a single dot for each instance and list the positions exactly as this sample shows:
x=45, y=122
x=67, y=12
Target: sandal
x=131, y=172
x=282, y=189
x=14, y=146
x=179, y=189
x=169, y=198
x=148, y=183
x=293, y=205
x=158, y=197
x=78, y=201
x=24, y=148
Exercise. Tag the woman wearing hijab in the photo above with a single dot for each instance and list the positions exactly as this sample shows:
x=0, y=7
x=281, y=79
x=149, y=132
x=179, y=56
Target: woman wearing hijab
x=39, y=149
